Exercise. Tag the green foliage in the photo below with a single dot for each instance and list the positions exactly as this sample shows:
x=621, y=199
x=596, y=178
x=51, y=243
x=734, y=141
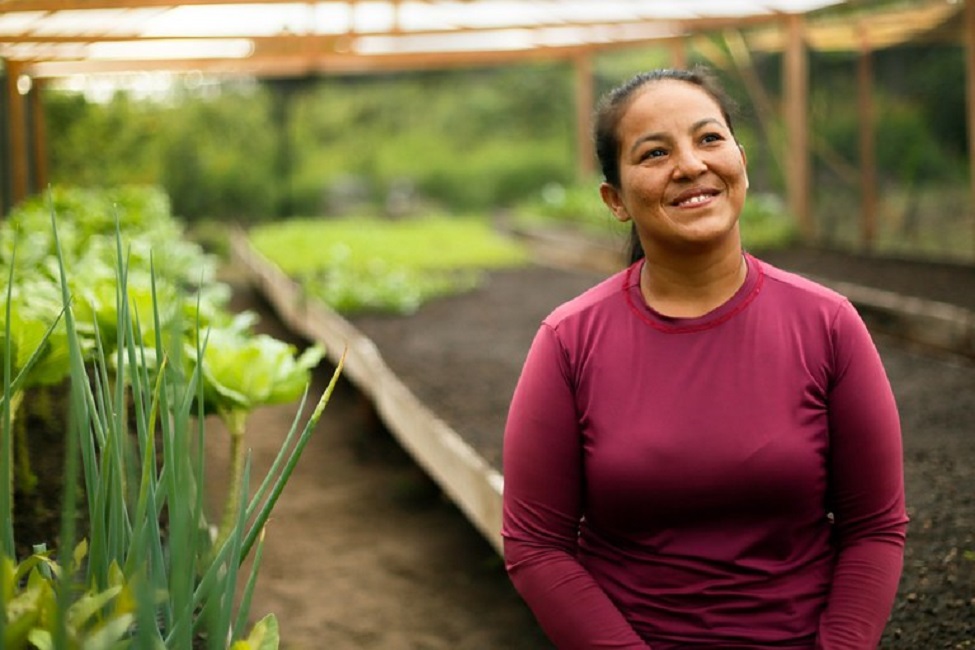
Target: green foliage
x=577, y=206
x=114, y=143
x=153, y=574
x=360, y=263
x=913, y=155
x=215, y=155
x=766, y=223
x=487, y=138
x=95, y=619
x=244, y=370
x=219, y=156
x=88, y=221
x=465, y=140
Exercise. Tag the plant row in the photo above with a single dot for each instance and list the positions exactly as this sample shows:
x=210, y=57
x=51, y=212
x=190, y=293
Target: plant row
x=117, y=342
x=356, y=264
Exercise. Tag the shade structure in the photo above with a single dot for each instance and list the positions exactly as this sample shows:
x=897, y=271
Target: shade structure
x=53, y=38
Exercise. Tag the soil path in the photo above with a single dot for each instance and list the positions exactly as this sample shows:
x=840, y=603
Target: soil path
x=362, y=550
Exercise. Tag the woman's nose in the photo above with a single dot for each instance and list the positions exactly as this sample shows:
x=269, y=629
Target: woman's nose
x=687, y=164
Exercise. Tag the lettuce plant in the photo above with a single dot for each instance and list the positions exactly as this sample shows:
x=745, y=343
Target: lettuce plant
x=241, y=372
x=356, y=264
x=143, y=379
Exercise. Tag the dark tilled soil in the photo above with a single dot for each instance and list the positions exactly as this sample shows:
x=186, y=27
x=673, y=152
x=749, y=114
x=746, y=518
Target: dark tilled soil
x=953, y=283
x=461, y=356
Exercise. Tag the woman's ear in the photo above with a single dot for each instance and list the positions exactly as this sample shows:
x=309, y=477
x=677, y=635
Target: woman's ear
x=611, y=197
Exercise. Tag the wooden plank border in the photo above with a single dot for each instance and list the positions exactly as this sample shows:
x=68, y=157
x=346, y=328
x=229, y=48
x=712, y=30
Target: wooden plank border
x=463, y=474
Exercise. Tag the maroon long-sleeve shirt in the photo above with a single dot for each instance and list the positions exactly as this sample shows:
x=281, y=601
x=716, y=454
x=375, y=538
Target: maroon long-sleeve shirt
x=730, y=481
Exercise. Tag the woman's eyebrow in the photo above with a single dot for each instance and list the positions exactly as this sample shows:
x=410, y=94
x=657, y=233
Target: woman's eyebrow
x=705, y=121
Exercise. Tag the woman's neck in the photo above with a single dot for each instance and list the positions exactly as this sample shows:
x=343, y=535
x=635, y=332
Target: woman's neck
x=689, y=286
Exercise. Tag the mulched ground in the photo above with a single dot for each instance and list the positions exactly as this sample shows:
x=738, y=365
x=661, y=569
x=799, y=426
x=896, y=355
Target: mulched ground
x=461, y=356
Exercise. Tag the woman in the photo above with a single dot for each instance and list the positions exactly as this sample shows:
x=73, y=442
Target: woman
x=703, y=451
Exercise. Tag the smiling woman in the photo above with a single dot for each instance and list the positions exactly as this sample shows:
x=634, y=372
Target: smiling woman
x=682, y=182
x=702, y=450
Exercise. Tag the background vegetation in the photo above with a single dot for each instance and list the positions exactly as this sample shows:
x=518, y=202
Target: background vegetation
x=363, y=263
x=494, y=138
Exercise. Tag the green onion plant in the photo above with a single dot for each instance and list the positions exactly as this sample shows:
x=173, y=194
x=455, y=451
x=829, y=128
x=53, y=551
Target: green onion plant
x=136, y=562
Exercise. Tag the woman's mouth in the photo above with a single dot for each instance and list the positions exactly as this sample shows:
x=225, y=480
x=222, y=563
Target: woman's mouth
x=695, y=199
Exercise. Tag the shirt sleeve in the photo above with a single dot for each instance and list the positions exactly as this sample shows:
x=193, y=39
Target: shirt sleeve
x=542, y=506
x=866, y=491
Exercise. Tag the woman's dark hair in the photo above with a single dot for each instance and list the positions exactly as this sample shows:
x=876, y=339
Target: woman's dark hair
x=613, y=106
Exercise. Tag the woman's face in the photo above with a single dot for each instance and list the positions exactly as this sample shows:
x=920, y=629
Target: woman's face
x=682, y=174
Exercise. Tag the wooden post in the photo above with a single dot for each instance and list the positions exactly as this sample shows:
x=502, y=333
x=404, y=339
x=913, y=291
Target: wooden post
x=678, y=53
x=39, y=136
x=796, y=84
x=585, y=150
x=868, y=158
x=17, y=135
x=970, y=94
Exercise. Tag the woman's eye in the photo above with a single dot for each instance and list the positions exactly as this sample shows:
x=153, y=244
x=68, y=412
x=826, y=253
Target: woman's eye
x=711, y=137
x=652, y=153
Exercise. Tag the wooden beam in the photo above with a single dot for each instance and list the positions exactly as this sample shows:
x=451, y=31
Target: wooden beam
x=703, y=23
x=868, y=158
x=596, y=32
x=585, y=96
x=300, y=63
x=17, y=135
x=796, y=84
x=887, y=27
x=318, y=52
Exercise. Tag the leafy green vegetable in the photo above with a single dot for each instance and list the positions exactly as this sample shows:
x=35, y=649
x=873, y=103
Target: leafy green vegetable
x=244, y=371
x=360, y=263
x=145, y=355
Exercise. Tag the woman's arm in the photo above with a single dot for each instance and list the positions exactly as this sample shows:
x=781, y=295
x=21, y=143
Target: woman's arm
x=543, y=478
x=866, y=491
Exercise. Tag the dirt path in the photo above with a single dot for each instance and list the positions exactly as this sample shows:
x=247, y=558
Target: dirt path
x=362, y=550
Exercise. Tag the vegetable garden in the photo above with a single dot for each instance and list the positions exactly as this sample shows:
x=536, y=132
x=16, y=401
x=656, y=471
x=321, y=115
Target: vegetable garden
x=129, y=374
x=117, y=347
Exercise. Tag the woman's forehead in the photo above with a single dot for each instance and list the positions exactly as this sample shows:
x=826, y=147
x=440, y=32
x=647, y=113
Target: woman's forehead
x=670, y=101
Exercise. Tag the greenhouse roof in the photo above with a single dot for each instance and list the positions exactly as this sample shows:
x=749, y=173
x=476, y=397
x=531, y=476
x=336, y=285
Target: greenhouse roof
x=58, y=38
x=61, y=37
